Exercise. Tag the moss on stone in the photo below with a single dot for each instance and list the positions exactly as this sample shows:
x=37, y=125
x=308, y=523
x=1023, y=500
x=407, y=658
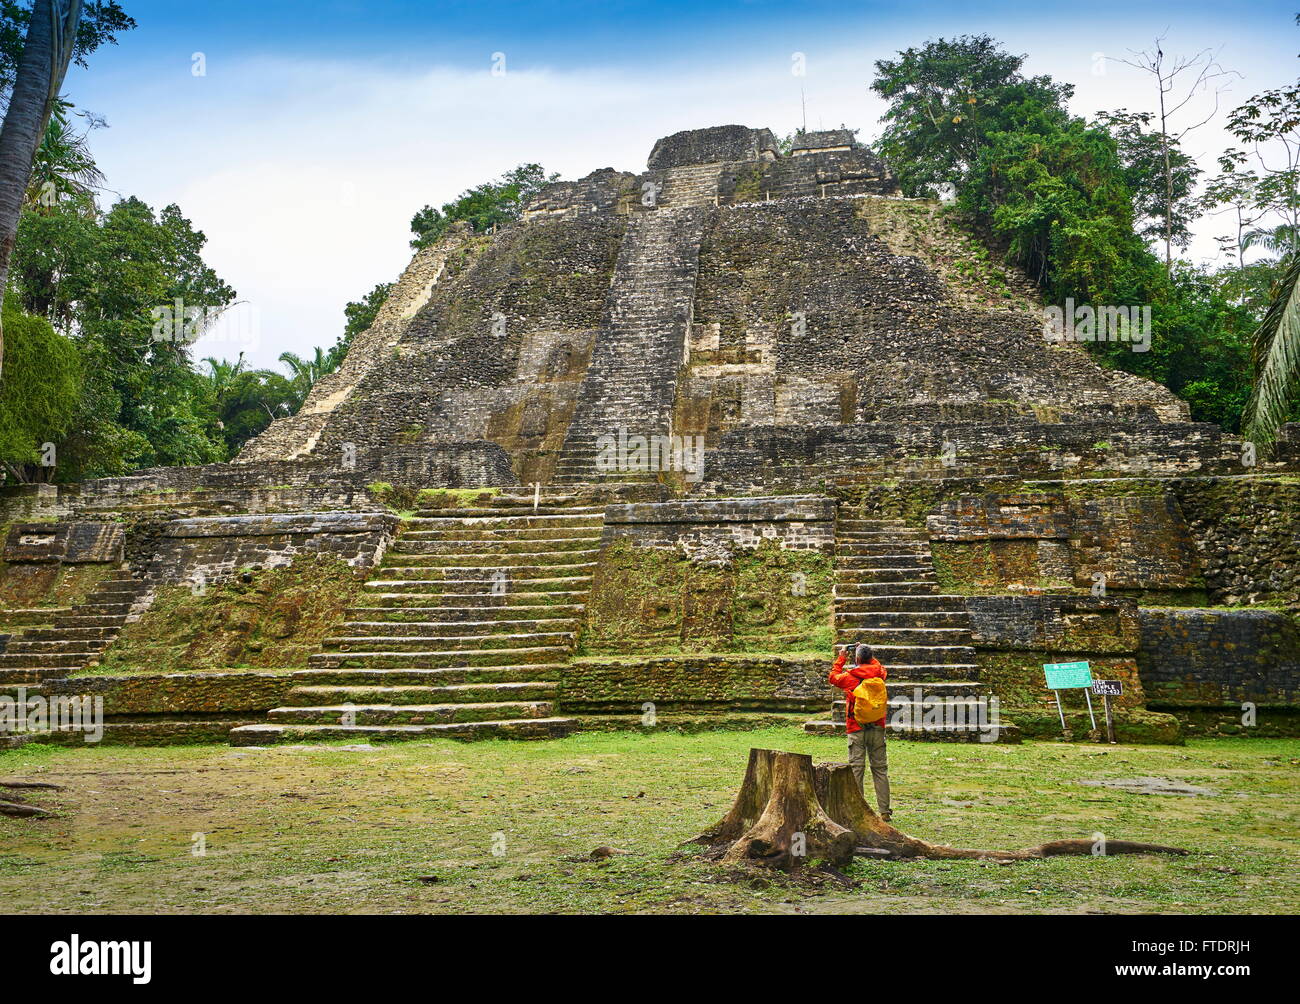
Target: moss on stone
x=274, y=620
x=650, y=600
x=981, y=567
x=29, y=585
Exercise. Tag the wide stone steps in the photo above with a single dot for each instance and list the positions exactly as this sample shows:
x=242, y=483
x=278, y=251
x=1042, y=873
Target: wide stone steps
x=541, y=516
x=77, y=636
x=861, y=590
x=482, y=572
x=906, y=672
x=882, y=549
x=71, y=646
x=883, y=576
x=34, y=674
x=445, y=676
x=447, y=613
x=323, y=695
x=400, y=659
x=904, y=620
x=889, y=637
x=520, y=728
x=464, y=628
x=446, y=643
x=34, y=616
x=461, y=633
x=68, y=659
x=493, y=560
x=412, y=714
x=930, y=602
x=887, y=596
x=479, y=594
x=447, y=544
x=438, y=528
x=513, y=586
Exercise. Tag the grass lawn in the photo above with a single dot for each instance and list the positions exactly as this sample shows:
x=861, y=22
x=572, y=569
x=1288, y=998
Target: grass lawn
x=412, y=827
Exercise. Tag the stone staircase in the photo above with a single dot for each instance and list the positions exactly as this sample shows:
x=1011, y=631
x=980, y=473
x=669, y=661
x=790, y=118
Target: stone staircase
x=76, y=637
x=466, y=625
x=691, y=185
x=887, y=596
x=631, y=382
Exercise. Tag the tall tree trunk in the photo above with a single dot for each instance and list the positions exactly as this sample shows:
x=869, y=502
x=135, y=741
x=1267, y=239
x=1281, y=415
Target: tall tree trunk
x=51, y=35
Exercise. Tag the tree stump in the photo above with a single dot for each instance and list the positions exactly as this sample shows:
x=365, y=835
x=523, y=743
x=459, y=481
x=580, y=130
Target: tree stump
x=777, y=819
x=788, y=813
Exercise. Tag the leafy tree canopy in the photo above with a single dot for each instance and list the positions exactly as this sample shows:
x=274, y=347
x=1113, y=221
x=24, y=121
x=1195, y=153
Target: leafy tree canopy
x=482, y=207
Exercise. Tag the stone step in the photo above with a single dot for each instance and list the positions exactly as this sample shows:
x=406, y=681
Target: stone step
x=513, y=586
x=412, y=714
x=449, y=569
x=447, y=676
x=903, y=691
x=522, y=728
x=70, y=633
x=435, y=520
x=111, y=622
x=66, y=661
x=898, y=602
x=902, y=619
x=461, y=693
x=854, y=555
x=929, y=655
x=119, y=610
x=499, y=613
x=904, y=636
x=493, y=559
x=876, y=576
x=123, y=594
x=478, y=544
x=482, y=599
x=35, y=674
x=902, y=548
x=856, y=590
x=922, y=563
x=447, y=643
x=32, y=616
x=462, y=628
x=900, y=672
x=452, y=658
x=72, y=647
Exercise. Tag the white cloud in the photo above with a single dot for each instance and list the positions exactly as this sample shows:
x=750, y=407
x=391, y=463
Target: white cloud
x=304, y=175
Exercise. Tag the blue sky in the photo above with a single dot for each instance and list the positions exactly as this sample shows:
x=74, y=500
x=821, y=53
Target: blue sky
x=318, y=129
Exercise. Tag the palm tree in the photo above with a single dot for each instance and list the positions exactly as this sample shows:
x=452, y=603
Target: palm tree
x=1276, y=358
x=63, y=163
x=51, y=36
x=303, y=373
x=221, y=375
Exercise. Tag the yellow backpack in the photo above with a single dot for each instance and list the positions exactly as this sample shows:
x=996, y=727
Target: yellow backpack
x=870, y=701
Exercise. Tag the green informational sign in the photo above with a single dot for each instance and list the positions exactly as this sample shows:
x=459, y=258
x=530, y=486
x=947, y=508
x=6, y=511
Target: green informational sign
x=1068, y=675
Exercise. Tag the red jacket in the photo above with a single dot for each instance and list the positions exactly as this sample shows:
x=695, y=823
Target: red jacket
x=848, y=681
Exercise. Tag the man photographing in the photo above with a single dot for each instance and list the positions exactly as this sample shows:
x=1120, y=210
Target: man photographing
x=864, y=717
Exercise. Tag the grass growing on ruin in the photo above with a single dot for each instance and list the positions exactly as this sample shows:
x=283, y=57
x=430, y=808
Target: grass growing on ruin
x=658, y=602
x=273, y=621
x=412, y=827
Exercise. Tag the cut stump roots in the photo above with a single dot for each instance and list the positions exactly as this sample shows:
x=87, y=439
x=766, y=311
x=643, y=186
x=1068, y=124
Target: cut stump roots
x=789, y=812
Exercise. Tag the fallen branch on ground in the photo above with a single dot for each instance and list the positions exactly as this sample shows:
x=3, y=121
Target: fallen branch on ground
x=42, y=785
x=23, y=809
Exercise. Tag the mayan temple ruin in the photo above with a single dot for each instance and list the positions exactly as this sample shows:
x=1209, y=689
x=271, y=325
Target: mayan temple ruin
x=643, y=457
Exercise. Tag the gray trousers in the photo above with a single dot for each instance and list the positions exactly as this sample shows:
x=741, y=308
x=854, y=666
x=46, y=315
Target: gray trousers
x=868, y=744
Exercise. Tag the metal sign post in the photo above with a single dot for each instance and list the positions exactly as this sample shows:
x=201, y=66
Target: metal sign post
x=1069, y=676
